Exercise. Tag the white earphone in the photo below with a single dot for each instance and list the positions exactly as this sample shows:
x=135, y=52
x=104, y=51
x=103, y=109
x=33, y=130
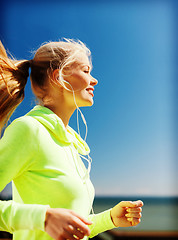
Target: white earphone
x=88, y=158
x=62, y=81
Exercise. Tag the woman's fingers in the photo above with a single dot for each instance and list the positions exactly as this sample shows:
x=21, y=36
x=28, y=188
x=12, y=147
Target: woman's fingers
x=126, y=213
x=66, y=224
x=133, y=215
x=69, y=236
x=84, y=220
x=78, y=224
x=131, y=204
x=76, y=232
x=139, y=209
x=134, y=221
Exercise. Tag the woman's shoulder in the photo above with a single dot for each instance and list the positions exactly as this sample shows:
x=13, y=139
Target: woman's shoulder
x=21, y=131
x=25, y=124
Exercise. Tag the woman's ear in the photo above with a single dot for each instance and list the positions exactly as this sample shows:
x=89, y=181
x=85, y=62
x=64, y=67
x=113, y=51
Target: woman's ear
x=55, y=75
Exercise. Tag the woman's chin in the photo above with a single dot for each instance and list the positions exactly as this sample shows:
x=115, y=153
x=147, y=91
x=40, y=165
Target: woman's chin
x=87, y=103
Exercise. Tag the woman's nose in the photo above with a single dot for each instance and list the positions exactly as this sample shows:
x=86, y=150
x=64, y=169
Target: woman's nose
x=94, y=81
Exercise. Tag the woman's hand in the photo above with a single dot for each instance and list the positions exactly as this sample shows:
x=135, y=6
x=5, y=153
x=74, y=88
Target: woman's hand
x=62, y=224
x=127, y=214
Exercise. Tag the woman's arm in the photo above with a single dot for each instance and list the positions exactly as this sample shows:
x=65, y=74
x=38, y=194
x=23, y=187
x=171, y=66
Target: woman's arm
x=124, y=214
x=15, y=216
x=17, y=148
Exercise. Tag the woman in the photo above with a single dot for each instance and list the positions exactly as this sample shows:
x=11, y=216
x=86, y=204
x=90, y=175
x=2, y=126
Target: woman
x=41, y=154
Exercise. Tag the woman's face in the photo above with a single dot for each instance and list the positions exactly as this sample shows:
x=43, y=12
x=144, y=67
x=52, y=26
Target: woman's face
x=79, y=77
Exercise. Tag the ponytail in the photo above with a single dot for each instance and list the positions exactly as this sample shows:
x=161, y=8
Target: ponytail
x=13, y=78
x=14, y=74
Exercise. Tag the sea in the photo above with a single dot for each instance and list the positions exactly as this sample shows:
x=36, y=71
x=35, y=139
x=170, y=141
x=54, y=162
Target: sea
x=158, y=213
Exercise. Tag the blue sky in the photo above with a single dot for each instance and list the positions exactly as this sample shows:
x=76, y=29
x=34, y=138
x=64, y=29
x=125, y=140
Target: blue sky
x=132, y=123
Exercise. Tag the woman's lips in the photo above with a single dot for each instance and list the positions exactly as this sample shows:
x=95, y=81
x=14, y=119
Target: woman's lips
x=90, y=91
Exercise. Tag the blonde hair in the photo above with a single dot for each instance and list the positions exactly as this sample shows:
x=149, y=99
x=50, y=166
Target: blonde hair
x=13, y=78
x=14, y=74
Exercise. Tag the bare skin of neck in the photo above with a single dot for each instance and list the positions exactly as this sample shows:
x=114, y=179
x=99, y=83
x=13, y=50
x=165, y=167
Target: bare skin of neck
x=62, y=108
x=64, y=114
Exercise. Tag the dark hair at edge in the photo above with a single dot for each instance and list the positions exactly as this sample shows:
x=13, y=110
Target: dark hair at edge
x=13, y=78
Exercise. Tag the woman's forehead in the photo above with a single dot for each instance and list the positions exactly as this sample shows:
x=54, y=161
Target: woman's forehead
x=83, y=59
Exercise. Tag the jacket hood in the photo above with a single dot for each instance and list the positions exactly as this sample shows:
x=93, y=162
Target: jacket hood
x=52, y=122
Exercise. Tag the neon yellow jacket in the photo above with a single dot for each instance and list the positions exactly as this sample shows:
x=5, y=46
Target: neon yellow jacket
x=42, y=160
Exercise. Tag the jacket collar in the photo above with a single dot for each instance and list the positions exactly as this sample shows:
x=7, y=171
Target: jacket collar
x=53, y=123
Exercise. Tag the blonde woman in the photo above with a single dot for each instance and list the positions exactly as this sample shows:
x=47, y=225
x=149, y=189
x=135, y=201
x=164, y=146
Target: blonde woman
x=42, y=155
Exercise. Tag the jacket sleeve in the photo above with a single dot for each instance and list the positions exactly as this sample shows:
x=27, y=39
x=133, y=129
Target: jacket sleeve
x=15, y=216
x=101, y=223
x=17, y=148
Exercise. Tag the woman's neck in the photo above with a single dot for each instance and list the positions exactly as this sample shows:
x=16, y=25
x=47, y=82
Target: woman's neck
x=62, y=112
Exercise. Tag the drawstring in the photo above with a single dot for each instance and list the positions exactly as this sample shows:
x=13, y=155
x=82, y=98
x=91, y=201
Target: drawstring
x=89, y=160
